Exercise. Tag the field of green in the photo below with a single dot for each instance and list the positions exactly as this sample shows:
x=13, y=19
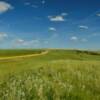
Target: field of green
x=57, y=75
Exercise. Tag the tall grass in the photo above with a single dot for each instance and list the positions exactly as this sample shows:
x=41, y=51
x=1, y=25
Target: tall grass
x=58, y=75
x=54, y=80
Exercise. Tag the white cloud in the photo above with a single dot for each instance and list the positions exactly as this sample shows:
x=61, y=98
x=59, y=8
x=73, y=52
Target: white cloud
x=98, y=14
x=52, y=29
x=64, y=14
x=43, y=1
x=4, y=6
x=21, y=42
x=3, y=36
x=58, y=18
x=83, y=27
x=30, y=5
x=74, y=38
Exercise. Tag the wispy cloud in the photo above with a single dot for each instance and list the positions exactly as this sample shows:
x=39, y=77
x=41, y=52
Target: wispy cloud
x=46, y=42
x=77, y=39
x=3, y=36
x=58, y=18
x=43, y=1
x=52, y=29
x=98, y=14
x=55, y=35
x=27, y=3
x=93, y=35
x=34, y=6
x=83, y=40
x=74, y=38
x=30, y=5
x=22, y=42
x=64, y=14
x=96, y=34
x=19, y=41
x=83, y=27
x=4, y=6
x=51, y=38
x=35, y=42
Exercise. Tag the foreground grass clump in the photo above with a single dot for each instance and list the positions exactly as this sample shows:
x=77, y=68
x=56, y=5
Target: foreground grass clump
x=54, y=80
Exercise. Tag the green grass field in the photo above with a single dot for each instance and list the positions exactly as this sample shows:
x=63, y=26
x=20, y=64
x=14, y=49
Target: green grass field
x=57, y=75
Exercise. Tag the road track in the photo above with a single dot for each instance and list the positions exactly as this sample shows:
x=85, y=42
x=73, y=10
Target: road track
x=24, y=56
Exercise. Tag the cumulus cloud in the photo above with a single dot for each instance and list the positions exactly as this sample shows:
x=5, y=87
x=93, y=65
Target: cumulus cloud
x=83, y=27
x=74, y=38
x=4, y=6
x=52, y=29
x=58, y=18
x=3, y=36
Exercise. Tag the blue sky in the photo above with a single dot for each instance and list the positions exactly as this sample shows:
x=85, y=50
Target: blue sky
x=50, y=24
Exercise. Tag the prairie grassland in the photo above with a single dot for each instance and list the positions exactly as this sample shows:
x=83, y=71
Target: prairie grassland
x=58, y=75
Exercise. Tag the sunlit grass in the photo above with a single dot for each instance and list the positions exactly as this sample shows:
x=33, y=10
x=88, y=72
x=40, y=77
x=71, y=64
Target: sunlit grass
x=55, y=76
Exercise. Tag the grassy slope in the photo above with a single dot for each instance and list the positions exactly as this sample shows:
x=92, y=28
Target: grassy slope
x=15, y=65
x=60, y=74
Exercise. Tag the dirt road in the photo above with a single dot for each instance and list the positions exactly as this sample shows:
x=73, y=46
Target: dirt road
x=24, y=56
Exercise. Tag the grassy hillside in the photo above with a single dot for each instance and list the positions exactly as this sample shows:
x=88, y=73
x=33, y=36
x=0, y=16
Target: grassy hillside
x=58, y=75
